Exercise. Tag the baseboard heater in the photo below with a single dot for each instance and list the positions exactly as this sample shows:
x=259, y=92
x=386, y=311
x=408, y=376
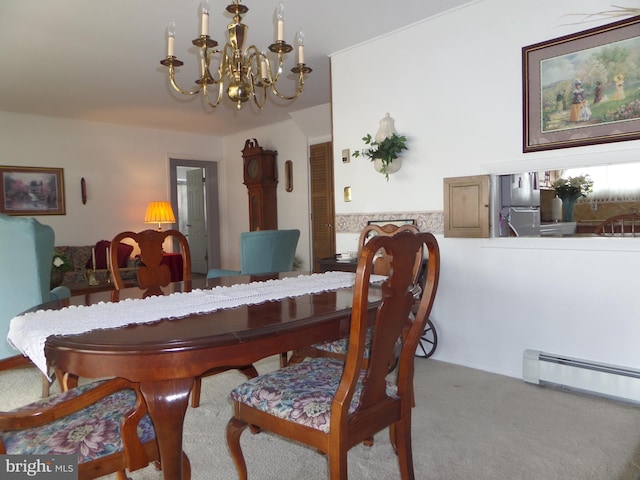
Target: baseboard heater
x=619, y=383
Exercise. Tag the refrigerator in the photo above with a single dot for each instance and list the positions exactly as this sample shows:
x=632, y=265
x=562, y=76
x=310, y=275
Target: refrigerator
x=518, y=205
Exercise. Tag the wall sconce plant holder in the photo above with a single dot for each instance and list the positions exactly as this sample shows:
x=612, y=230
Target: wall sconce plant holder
x=384, y=150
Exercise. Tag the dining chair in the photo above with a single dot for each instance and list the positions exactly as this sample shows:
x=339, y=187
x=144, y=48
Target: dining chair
x=338, y=348
x=153, y=274
x=332, y=405
x=26, y=256
x=104, y=423
x=263, y=252
x=624, y=225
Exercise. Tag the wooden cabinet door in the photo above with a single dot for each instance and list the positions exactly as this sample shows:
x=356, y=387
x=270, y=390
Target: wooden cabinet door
x=466, y=206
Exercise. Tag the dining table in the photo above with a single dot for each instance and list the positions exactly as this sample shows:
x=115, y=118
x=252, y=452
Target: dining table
x=166, y=355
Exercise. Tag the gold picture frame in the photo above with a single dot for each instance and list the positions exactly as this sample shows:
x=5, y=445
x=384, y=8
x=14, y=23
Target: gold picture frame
x=32, y=191
x=582, y=89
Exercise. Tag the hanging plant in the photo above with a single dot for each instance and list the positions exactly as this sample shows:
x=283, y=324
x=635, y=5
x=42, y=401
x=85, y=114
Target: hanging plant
x=386, y=147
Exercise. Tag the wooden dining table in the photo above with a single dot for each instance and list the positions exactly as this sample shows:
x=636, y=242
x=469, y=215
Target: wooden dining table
x=165, y=356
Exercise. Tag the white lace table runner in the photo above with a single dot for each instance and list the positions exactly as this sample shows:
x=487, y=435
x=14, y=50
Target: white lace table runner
x=28, y=333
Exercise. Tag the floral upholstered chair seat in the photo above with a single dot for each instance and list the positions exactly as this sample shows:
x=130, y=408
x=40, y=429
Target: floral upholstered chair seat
x=301, y=393
x=91, y=433
x=341, y=345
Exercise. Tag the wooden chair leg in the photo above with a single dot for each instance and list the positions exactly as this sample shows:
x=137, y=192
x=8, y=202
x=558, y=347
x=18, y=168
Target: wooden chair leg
x=402, y=444
x=338, y=465
x=235, y=428
x=46, y=385
x=248, y=371
x=284, y=361
x=195, y=392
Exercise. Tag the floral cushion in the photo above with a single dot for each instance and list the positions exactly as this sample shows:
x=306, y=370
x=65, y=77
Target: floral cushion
x=80, y=258
x=91, y=433
x=301, y=393
x=341, y=346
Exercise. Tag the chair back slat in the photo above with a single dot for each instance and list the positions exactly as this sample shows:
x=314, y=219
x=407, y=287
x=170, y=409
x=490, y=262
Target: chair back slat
x=624, y=225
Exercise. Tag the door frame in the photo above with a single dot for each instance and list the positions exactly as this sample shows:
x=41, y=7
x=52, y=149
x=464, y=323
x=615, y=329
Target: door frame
x=211, y=202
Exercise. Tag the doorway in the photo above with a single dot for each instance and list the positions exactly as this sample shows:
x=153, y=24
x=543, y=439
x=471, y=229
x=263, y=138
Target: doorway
x=322, y=202
x=194, y=198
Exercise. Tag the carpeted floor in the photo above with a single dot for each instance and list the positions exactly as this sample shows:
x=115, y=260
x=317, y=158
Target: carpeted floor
x=467, y=425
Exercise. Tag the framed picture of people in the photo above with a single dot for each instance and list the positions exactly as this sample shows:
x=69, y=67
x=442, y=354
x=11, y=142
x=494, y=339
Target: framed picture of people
x=582, y=89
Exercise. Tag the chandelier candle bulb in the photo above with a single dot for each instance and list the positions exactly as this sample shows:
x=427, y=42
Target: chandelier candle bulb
x=171, y=39
x=280, y=15
x=263, y=69
x=205, y=18
x=300, y=41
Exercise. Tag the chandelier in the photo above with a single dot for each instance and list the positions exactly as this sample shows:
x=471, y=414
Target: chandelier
x=242, y=73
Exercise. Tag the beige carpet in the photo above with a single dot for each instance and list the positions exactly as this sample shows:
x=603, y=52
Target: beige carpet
x=467, y=425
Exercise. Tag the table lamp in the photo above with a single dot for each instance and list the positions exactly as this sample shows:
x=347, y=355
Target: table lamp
x=159, y=212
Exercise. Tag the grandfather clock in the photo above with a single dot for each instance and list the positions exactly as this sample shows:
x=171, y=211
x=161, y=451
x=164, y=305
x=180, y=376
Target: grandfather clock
x=261, y=181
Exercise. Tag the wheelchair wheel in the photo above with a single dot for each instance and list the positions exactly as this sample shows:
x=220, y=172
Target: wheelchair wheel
x=428, y=341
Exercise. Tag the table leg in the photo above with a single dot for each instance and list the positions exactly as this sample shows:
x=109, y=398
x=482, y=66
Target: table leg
x=167, y=402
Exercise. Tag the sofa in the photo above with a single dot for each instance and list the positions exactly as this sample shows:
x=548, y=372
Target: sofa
x=81, y=260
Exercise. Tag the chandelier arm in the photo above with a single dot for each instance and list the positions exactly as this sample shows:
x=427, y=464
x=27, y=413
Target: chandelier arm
x=299, y=89
x=259, y=102
x=209, y=53
x=172, y=79
x=220, y=87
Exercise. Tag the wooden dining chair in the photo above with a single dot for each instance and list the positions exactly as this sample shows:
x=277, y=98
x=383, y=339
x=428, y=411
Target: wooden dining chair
x=332, y=405
x=624, y=225
x=104, y=423
x=338, y=348
x=153, y=274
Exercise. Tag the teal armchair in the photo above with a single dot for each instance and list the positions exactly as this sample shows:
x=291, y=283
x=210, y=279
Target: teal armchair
x=26, y=253
x=262, y=252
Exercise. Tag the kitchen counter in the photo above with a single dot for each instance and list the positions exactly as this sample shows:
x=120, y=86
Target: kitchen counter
x=558, y=228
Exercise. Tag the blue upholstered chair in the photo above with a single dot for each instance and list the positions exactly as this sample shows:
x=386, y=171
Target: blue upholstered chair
x=26, y=254
x=262, y=252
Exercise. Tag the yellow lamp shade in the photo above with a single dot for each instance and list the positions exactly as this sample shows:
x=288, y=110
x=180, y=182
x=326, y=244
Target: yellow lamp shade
x=159, y=212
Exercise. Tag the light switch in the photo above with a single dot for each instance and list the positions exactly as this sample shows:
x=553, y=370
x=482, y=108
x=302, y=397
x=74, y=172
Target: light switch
x=347, y=194
x=346, y=155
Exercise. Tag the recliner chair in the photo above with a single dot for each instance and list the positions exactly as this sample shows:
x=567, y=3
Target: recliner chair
x=26, y=254
x=263, y=252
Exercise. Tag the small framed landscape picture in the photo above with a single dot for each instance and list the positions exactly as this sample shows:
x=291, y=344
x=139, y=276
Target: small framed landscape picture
x=32, y=191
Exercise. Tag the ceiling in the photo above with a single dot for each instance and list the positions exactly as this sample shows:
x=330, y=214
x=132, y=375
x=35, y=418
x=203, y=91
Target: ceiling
x=100, y=60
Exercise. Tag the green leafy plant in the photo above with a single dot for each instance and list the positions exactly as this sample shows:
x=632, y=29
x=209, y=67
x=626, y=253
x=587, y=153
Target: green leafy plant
x=60, y=263
x=387, y=150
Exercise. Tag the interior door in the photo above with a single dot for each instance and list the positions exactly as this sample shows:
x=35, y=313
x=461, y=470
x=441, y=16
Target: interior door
x=322, y=203
x=197, y=226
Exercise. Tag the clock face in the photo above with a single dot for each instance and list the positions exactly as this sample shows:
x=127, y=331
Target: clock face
x=252, y=168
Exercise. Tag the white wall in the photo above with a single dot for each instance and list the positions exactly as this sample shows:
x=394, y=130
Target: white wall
x=453, y=85
x=124, y=169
